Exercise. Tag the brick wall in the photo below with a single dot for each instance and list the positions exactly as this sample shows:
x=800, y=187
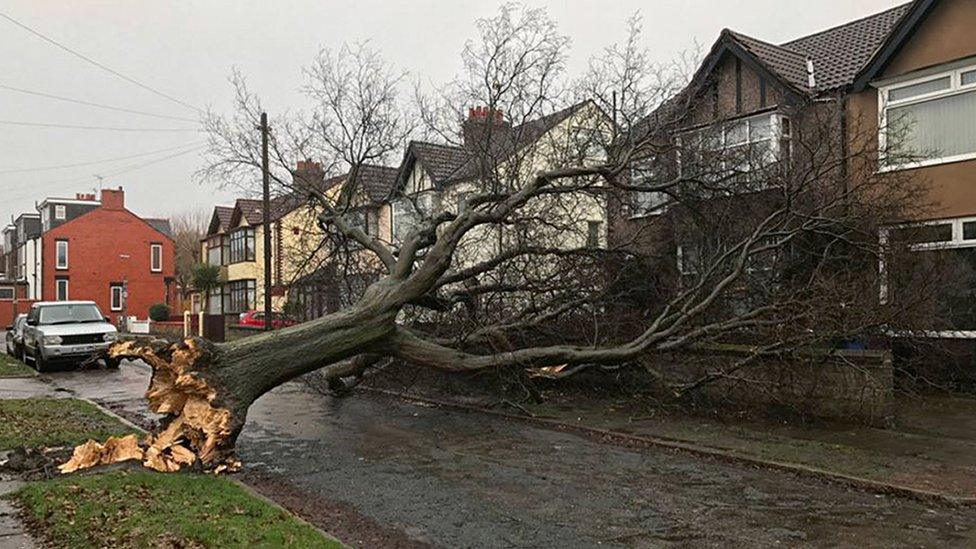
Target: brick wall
x=107, y=246
x=850, y=386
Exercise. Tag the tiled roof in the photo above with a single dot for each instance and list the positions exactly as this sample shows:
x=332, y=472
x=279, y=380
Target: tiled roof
x=161, y=225
x=252, y=209
x=440, y=161
x=449, y=163
x=377, y=182
x=224, y=213
x=788, y=64
x=840, y=53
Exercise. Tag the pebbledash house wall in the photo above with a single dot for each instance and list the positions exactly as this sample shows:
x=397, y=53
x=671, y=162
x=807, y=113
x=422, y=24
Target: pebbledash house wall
x=107, y=246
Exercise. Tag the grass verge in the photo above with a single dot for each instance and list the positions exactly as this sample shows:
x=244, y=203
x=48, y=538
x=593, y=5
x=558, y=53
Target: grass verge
x=145, y=509
x=11, y=367
x=47, y=422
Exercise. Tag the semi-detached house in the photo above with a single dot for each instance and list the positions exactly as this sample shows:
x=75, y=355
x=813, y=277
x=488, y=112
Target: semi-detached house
x=431, y=178
x=915, y=63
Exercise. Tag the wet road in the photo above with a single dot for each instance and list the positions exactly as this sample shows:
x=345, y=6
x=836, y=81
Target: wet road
x=465, y=480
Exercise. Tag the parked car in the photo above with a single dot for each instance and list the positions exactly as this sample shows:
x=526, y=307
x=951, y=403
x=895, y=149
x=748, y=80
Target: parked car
x=66, y=332
x=15, y=335
x=256, y=319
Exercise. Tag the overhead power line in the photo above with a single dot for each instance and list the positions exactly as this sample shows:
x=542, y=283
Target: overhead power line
x=98, y=105
x=95, y=162
x=97, y=64
x=99, y=128
x=50, y=184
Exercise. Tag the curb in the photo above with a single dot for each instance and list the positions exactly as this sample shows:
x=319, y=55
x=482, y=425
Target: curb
x=109, y=412
x=689, y=447
x=258, y=495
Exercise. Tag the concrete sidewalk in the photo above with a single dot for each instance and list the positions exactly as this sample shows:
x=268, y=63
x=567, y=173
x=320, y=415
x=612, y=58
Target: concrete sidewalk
x=13, y=534
x=931, y=447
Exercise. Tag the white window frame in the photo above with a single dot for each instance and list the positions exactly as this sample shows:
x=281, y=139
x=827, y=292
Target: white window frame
x=11, y=289
x=778, y=121
x=156, y=251
x=57, y=255
x=57, y=289
x=60, y=212
x=955, y=242
x=956, y=87
x=113, y=290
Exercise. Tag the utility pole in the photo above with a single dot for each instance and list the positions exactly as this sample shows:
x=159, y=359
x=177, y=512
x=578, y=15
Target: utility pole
x=266, y=212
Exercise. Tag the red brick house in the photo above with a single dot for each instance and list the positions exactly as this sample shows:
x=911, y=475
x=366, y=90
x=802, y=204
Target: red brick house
x=102, y=252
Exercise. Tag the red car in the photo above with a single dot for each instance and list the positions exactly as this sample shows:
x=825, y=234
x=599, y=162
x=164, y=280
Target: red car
x=256, y=319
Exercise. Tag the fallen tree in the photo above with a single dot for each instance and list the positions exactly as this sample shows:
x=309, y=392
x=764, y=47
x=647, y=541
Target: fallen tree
x=780, y=250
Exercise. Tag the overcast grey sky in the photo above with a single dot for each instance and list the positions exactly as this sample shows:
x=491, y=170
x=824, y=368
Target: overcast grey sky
x=186, y=49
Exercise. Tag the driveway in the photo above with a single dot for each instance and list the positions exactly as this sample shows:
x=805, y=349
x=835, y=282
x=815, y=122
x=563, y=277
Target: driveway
x=455, y=479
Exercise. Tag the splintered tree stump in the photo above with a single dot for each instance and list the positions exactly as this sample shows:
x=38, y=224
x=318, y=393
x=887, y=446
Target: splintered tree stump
x=197, y=430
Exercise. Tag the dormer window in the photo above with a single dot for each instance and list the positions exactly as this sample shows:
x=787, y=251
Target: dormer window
x=59, y=212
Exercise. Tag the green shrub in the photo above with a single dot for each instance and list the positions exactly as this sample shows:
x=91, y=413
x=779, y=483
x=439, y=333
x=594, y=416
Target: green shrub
x=159, y=312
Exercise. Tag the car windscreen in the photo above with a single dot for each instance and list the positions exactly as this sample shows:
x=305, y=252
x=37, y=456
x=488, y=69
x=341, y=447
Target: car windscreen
x=69, y=314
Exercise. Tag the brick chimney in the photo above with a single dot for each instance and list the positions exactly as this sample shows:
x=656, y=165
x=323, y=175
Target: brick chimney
x=483, y=122
x=113, y=199
x=309, y=174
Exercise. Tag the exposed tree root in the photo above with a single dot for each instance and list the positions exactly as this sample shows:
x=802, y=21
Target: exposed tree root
x=197, y=433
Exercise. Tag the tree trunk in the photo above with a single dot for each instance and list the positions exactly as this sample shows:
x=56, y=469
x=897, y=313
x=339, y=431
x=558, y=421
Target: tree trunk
x=205, y=389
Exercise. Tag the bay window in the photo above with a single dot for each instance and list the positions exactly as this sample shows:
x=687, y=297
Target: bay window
x=736, y=147
x=242, y=245
x=215, y=250
x=241, y=296
x=928, y=120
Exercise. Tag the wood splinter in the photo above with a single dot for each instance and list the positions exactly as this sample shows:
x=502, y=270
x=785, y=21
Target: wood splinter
x=197, y=434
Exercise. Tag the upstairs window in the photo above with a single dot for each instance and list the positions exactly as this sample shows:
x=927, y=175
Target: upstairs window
x=6, y=293
x=242, y=245
x=61, y=254
x=928, y=120
x=648, y=173
x=594, y=231
x=59, y=212
x=409, y=211
x=215, y=250
x=736, y=147
x=156, y=258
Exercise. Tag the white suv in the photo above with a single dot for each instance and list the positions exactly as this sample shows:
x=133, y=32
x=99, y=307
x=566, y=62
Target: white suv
x=67, y=332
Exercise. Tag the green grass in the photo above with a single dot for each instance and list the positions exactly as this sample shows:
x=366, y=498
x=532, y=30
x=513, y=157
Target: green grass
x=42, y=422
x=145, y=509
x=11, y=367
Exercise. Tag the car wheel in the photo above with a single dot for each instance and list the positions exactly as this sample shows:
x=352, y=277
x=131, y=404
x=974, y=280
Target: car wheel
x=39, y=363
